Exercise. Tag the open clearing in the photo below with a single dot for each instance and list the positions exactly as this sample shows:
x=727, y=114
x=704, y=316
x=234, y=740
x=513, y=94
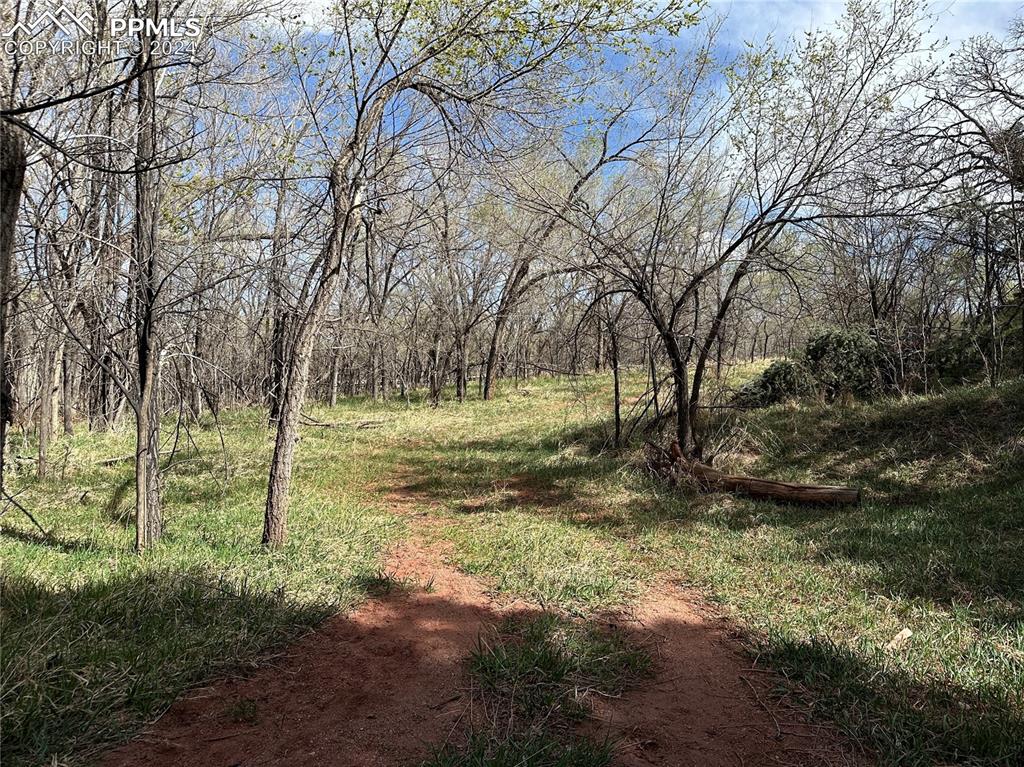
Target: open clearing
x=448, y=521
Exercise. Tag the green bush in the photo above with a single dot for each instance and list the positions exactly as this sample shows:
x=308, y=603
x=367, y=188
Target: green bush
x=843, y=361
x=780, y=381
x=955, y=359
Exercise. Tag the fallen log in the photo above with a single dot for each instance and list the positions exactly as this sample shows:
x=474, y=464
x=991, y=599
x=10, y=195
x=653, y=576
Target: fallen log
x=307, y=421
x=764, y=489
x=123, y=458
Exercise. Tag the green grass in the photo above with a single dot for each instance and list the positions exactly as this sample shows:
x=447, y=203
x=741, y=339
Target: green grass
x=82, y=665
x=97, y=640
x=533, y=677
x=938, y=547
x=524, y=751
x=533, y=502
x=580, y=570
x=545, y=668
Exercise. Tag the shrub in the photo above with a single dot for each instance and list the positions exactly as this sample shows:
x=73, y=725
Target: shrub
x=843, y=361
x=780, y=381
x=955, y=359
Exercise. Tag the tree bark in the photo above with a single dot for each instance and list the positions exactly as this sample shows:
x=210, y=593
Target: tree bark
x=346, y=196
x=148, y=521
x=12, y=177
x=68, y=381
x=148, y=517
x=49, y=367
x=461, y=369
x=680, y=390
x=279, y=315
x=613, y=343
x=335, y=374
x=505, y=307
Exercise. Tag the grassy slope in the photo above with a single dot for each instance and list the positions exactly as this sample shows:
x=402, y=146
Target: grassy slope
x=937, y=548
x=535, y=508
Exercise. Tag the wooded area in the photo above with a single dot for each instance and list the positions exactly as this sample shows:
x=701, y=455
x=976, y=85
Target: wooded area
x=416, y=196
x=477, y=383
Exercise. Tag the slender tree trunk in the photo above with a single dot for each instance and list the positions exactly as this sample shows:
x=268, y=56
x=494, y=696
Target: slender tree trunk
x=684, y=433
x=44, y=414
x=149, y=525
x=148, y=521
x=195, y=383
x=505, y=307
x=12, y=176
x=990, y=305
x=279, y=316
x=680, y=390
x=373, y=379
x=69, y=379
x=713, y=336
x=719, y=352
x=107, y=393
x=461, y=373
x=436, y=372
x=654, y=380
x=613, y=344
x=335, y=365
x=346, y=198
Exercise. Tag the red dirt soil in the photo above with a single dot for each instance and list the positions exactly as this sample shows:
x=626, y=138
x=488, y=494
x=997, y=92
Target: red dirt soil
x=707, y=704
x=386, y=686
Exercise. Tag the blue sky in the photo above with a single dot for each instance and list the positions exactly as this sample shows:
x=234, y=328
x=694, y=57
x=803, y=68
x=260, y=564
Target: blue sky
x=955, y=19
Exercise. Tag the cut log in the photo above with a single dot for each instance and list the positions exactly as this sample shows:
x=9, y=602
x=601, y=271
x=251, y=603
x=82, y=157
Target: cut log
x=765, y=489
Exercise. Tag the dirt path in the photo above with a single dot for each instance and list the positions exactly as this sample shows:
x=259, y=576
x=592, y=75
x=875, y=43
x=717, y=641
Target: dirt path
x=385, y=685
x=377, y=687
x=707, y=705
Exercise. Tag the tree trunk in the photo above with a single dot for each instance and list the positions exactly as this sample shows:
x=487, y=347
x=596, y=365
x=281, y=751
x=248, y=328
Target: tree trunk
x=49, y=367
x=680, y=390
x=462, y=371
x=195, y=383
x=278, y=365
x=346, y=197
x=279, y=315
x=335, y=365
x=505, y=307
x=613, y=343
x=374, y=376
x=69, y=379
x=654, y=380
x=684, y=429
x=148, y=522
x=12, y=176
x=148, y=517
x=435, y=374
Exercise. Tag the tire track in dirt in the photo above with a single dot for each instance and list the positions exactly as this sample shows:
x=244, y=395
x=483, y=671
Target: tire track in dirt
x=385, y=685
x=708, y=704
